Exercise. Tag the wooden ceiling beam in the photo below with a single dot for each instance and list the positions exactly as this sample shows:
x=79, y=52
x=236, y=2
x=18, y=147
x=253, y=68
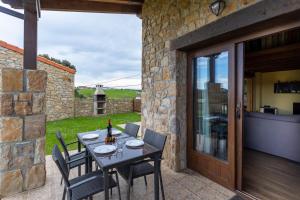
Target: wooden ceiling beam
x=128, y=2
x=89, y=6
x=98, y=6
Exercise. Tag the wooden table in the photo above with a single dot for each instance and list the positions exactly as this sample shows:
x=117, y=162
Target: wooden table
x=117, y=159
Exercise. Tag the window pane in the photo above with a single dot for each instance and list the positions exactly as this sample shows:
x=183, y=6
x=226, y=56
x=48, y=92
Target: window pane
x=211, y=103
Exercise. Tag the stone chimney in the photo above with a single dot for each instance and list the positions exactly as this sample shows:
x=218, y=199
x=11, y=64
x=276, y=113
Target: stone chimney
x=22, y=130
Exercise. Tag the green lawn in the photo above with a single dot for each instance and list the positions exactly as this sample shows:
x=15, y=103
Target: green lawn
x=70, y=127
x=111, y=93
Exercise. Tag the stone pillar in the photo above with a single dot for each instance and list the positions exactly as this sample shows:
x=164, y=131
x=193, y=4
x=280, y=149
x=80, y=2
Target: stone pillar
x=22, y=130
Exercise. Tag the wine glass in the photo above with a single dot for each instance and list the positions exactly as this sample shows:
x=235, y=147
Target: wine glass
x=120, y=145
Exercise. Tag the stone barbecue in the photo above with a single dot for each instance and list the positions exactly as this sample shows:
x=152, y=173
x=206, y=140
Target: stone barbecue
x=99, y=101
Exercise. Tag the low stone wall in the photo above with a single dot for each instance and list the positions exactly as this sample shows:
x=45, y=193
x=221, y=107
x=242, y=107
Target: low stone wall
x=22, y=130
x=114, y=106
x=137, y=105
x=85, y=106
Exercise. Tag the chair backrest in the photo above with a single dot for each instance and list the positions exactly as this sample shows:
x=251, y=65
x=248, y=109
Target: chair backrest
x=61, y=164
x=155, y=139
x=132, y=129
x=63, y=144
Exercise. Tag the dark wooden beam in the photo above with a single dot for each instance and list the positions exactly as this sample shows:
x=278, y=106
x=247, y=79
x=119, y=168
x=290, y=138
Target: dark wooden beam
x=14, y=3
x=90, y=6
x=11, y=12
x=130, y=2
x=30, y=35
x=261, y=15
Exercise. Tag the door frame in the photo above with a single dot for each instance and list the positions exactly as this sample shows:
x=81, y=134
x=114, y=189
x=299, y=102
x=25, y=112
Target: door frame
x=240, y=66
x=225, y=166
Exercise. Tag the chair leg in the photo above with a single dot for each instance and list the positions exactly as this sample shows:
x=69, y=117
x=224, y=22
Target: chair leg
x=128, y=191
x=64, y=194
x=145, y=179
x=79, y=170
x=130, y=182
x=118, y=185
x=61, y=180
x=110, y=172
x=161, y=186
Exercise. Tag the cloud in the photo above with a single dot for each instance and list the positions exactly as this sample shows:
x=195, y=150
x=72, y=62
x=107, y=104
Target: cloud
x=101, y=46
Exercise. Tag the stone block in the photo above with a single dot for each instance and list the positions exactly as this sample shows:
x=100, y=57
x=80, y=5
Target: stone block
x=38, y=103
x=34, y=126
x=13, y=182
x=23, y=149
x=23, y=154
x=25, y=96
x=6, y=104
x=35, y=177
x=36, y=80
x=5, y=156
x=39, y=155
x=23, y=108
x=11, y=129
x=11, y=80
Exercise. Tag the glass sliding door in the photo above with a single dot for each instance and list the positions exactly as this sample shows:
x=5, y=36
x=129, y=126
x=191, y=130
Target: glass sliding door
x=211, y=113
x=211, y=104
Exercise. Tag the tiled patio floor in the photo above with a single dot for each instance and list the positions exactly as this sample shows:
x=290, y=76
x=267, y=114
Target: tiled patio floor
x=187, y=185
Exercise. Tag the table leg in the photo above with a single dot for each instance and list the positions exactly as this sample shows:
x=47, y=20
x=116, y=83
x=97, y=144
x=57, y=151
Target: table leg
x=90, y=163
x=156, y=178
x=79, y=146
x=105, y=176
x=86, y=162
x=79, y=150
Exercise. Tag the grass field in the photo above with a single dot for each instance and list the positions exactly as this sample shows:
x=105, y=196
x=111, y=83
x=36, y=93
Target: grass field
x=111, y=93
x=70, y=127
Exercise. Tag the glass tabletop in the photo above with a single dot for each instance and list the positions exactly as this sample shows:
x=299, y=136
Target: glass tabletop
x=126, y=156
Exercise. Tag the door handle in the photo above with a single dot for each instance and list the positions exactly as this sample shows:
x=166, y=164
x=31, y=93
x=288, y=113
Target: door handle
x=238, y=111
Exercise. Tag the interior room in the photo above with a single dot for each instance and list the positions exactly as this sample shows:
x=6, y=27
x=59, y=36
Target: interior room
x=271, y=160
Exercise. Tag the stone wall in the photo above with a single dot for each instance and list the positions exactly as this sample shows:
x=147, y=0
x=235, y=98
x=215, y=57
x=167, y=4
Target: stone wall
x=85, y=106
x=164, y=71
x=114, y=106
x=60, y=85
x=137, y=105
x=22, y=130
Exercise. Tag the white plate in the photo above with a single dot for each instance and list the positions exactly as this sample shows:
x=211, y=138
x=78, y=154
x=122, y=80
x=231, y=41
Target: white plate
x=90, y=136
x=116, y=132
x=134, y=143
x=104, y=149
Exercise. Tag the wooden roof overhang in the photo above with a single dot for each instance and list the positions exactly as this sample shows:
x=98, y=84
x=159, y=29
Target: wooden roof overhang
x=98, y=6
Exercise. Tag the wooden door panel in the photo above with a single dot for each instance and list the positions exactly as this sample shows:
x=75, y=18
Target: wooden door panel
x=212, y=121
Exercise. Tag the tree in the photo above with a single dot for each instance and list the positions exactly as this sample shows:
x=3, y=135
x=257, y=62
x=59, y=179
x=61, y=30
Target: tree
x=62, y=62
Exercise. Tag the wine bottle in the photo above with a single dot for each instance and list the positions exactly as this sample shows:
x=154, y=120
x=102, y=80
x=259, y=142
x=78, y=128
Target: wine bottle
x=109, y=129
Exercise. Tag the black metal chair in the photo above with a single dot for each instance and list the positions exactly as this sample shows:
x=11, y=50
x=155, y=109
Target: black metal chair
x=132, y=129
x=83, y=186
x=144, y=167
x=74, y=160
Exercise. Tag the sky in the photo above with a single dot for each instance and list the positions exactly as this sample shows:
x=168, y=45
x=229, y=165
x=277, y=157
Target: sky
x=103, y=47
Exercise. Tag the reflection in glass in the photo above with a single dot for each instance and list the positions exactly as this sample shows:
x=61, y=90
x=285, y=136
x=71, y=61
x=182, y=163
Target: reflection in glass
x=210, y=104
